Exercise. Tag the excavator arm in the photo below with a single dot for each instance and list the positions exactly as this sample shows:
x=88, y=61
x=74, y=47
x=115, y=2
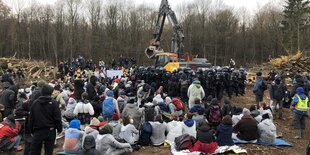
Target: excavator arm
x=165, y=11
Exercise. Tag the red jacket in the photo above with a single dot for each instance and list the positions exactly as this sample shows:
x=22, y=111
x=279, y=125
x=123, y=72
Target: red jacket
x=5, y=130
x=206, y=148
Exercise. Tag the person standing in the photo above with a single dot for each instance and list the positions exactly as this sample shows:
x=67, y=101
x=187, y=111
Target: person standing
x=300, y=106
x=194, y=91
x=8, y=99
x=259, y=87
x=44, y=120
x=277, y=94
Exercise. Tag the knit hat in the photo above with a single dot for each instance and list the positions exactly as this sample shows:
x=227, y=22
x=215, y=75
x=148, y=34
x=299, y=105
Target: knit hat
x=110, y=93
x=227, y=120
x=75, y=124
x=106, y=129
x=115, y=117
x=196, y=82
x=246, y=111
x=100, y=118
x=94, y=122
x=47, y=90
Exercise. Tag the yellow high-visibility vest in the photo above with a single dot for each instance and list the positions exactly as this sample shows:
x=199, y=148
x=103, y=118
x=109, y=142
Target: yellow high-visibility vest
x=302, y=105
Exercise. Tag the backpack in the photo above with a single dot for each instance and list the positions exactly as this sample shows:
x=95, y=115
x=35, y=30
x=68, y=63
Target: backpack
x=184, y=85
x=178, y=103
x=108, y=108
x=146, y=133
x=215, y=114
x=184, y=142
x=149, y=113
x=264, y=85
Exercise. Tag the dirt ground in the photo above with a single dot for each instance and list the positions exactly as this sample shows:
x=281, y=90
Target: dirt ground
x=283, y=126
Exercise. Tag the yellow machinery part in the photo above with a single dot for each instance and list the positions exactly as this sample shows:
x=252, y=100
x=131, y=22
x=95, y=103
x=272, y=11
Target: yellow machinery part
x=171, y=66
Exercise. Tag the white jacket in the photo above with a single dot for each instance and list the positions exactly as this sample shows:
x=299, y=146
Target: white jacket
x=194, y=91
x=84, y=108
x=267, y=131
x=191, y=130
x=129, y=133
x=174, y=130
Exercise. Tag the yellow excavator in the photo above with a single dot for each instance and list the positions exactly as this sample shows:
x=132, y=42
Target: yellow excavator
x=171, y=60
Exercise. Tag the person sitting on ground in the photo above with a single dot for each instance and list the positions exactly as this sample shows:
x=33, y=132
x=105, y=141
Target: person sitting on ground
x=116, y=126
x=94, y=123
x=174, y=128
x=132, y=110
x=213, y=114
x=90, y=131
x=89, y=146
x=228, y=108
x=267, y=131
x=246, y=129
x=129, y=133
x=73, y=138
x=175, y=106
x=255, y=113
x=110, y=106
x=198, y=111
x=107, y=144
x=9, y=133
x=206, y=142
x=68, y=114
x=158, y=131
x=237, y=118
x=224, y=132
x=189, y=125
x=157, y=99
x=84, y=110
x=102, y=122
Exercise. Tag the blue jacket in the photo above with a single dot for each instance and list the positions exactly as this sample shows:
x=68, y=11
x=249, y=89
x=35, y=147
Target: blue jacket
x=224, y=133
x=257, y=90
x=300, y=92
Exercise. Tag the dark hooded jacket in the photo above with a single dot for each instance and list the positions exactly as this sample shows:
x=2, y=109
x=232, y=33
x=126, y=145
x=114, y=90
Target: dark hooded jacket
x=246, y=128
x=89, y=146
x=45, y=114
x=204, y=133
x=224, y=133
x=90, y=88
x=8, y=100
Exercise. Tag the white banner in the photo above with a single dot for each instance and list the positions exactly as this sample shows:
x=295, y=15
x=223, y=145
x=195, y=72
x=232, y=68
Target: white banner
x=114, y=73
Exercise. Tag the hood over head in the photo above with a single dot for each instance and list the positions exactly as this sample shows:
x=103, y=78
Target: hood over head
x=189, y=122
x=89, y=142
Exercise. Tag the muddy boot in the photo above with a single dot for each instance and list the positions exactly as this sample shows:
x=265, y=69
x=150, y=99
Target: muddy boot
x=298, y=134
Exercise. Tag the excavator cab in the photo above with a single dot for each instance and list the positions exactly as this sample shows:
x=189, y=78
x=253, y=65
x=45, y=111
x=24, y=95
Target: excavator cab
x=168, y=60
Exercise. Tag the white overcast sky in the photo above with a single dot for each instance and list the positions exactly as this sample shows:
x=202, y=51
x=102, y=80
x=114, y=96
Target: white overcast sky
x=251, y=5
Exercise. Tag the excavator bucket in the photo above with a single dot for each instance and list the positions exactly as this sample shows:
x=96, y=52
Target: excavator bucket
x=151, y=52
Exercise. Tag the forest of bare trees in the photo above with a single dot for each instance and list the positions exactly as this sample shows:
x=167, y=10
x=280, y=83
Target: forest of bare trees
x=105, y=29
